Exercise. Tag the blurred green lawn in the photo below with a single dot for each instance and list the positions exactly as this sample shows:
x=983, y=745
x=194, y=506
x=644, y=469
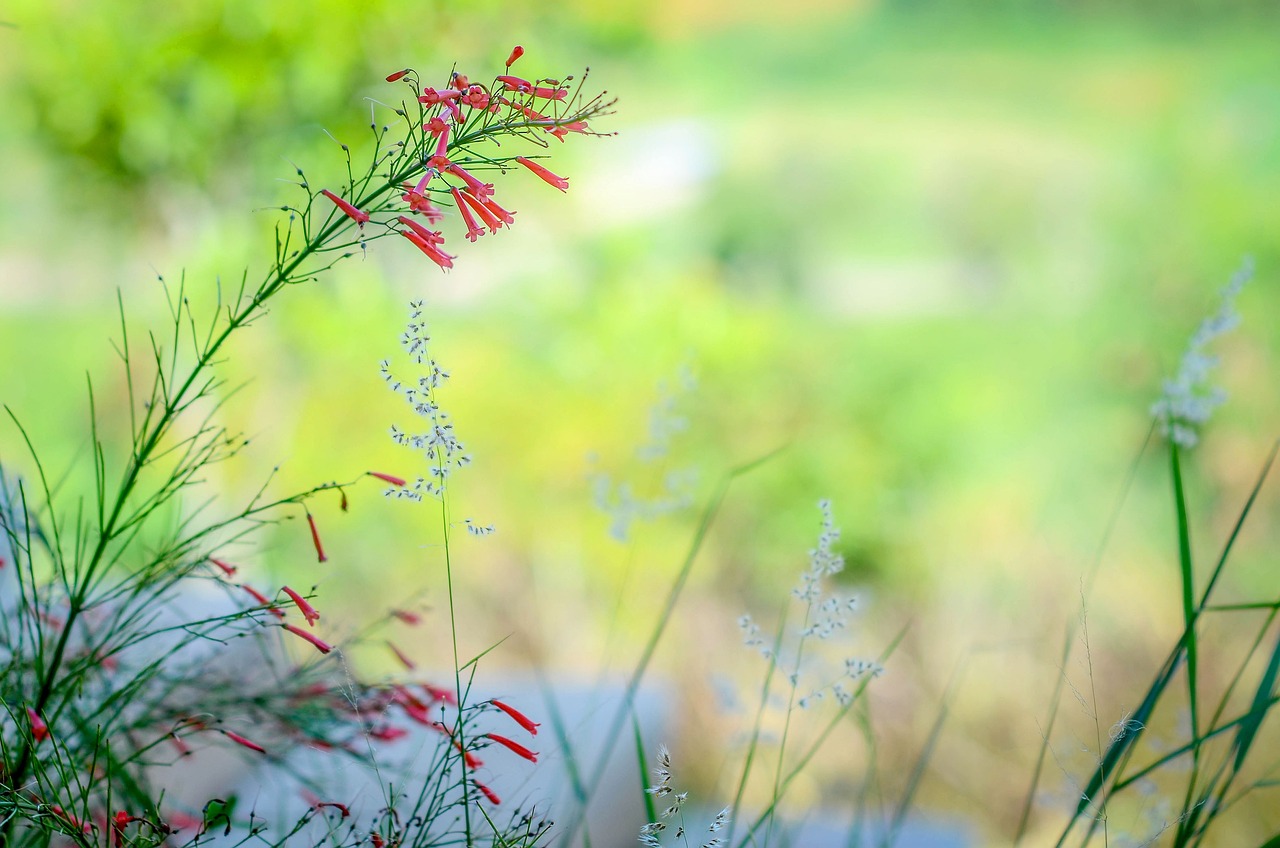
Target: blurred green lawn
x=942, y=258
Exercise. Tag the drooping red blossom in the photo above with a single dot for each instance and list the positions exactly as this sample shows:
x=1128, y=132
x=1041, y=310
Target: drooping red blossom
x=500, y=213
x=490, y=220
x=524, y=109
x=433, y=238
x=475, y=185
x=226, y=567
x=350, y=211
x=439, y=693
x=308, y=611
x=488, y=793
x=444, y=260
x=513, y=746
x=511, y=83
x=321, y=645
x=263, y=599
x=388, y=733
x=410, y=618
x=388, y=478
x=404, y=660
x=39, y=730
x=551, y=179
x=550, y=93
x=519, y=717
x=516, y=53
x=315, y=538
x=420, y=204
x=474, y=230
x=318, y=804
x=247, y=743
x=398, y=75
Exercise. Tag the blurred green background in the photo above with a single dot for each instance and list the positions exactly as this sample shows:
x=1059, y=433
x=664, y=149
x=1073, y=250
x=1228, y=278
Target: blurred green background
x=941, y=253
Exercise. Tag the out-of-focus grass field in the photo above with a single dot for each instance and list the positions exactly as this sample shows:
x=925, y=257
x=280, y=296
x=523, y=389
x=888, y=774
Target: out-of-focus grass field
x=944, y=258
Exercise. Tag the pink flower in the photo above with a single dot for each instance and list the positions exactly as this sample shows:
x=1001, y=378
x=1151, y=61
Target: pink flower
x=515, y=83
x=420, y=204
x=488, y=793
x=500, y=213
x=439, y=693
x=426, y=235
x=430, y=237
x=550, y=178
x=308, y=611
x=410, y=618
x=433, y=253
x=490, y=220
x=513, y=746
x=550, y=93
x=388, y=733
x=315, y=538
x=398, y=75
x=404, y=660
x=516, y=53
x=240, y=740
x=226, y=568
x=476, y=97
x=39, y=730
x=431, y=97
x=263, y=599
x=350, y=211
x=475, y=185
x=321, y=645
x=436, y=126
x=520, y=718
x=474, y=230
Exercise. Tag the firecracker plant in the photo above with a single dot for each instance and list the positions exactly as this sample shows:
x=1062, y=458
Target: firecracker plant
x=129, y=642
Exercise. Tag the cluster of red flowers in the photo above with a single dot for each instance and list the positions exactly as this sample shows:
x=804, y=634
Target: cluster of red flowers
x=448, y=111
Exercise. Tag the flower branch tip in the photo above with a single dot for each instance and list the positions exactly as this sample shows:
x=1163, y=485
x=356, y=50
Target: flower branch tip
x=387, y=478
x=516, y=53
x=398, y=75
x=488, y=793
x=39, y=730
x=224, y=566
x=350, y=211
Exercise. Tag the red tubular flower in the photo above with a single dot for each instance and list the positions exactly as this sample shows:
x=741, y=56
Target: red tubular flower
x=240, y=740
x=410, y=618
x=321, y=645
x=431, y=97
x=308, y=611
x=500, y=213
x=548, y=177
x=226, y=567
x=263, y=599
x=427, y=235
x=474, y=230
x=350, y=211
x=528, y=111
x=388, y=733
x=490, y=220
x=442, y=145
x=420, y=204
x=432, y=238
x=515, y=84
x=513, y=746
x=516, y=53
x=519, y=717
x=398, y=75
x=488, y=793
x=436, y=126
x=550, y=93
x=39, y=730
x=439, y=693
x=315, y=538
x=475, y=185
x=405, y=661
x=444, y=260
